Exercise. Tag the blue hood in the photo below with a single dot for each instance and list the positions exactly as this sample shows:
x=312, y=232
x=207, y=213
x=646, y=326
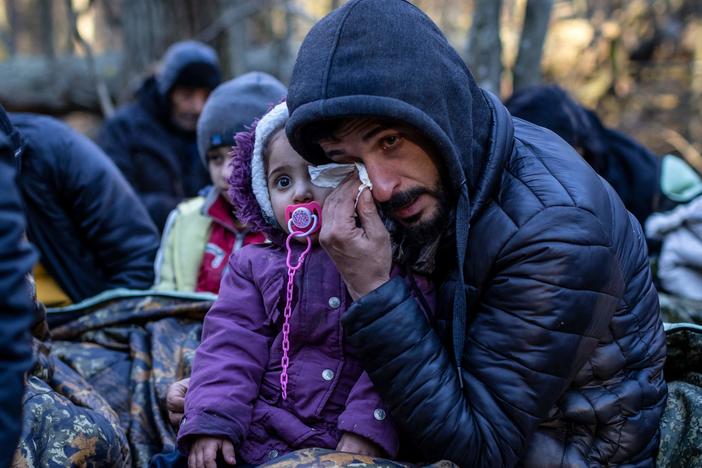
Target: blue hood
x=190, y=63
x=386, y=58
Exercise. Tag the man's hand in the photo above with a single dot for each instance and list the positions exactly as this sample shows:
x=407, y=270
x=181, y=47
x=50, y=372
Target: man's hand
x=203, y=452
x=353, y=443
x=362, y=254
x=175, y=401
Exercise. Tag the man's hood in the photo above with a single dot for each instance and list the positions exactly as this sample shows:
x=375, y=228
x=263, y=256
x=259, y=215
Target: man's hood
x=200, y=60
x=248, y=189
x=233, y=106
x=386, y=58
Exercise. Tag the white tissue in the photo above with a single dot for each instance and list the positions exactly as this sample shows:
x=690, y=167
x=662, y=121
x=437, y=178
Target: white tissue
x=331, y=175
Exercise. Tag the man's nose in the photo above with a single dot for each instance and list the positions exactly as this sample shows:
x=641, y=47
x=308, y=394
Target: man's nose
x=384, y=178
x=199, y=100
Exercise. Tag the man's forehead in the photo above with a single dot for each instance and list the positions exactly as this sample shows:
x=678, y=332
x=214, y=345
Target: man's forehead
x=358, y=125
x=336, y=131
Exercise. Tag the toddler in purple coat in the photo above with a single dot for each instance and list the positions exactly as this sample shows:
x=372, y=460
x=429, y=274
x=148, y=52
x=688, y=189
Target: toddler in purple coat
x=236, y=404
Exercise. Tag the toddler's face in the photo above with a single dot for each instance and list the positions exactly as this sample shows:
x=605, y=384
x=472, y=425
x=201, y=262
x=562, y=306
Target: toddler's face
x=288, y=179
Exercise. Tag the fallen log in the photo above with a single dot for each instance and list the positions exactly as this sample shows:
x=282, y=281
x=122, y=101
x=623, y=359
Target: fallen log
x=58, y=85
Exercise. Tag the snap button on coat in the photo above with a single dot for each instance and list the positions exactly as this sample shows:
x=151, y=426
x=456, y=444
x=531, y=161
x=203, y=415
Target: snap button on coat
x=327, y=374
x=379, y=414
x=334, y=302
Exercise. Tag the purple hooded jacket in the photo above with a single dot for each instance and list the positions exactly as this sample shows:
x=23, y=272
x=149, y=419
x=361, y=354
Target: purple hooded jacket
x=235, y=384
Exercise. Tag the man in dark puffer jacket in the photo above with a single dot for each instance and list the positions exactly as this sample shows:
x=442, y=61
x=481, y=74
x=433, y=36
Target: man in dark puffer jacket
x=16, y=261
x=555, y=346
x=153, y=141
x=85, y=220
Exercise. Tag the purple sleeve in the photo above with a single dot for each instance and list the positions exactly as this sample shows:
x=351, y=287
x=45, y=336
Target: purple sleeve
x=366, y=416
x=230, y=361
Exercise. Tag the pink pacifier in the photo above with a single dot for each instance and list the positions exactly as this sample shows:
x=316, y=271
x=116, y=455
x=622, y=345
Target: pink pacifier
x=304, y=219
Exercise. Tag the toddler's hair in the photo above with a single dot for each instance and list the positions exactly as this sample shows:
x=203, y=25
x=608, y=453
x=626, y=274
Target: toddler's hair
x=248, y=187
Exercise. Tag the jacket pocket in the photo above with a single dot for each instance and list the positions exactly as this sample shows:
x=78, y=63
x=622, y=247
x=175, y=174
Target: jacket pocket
x=280, y=424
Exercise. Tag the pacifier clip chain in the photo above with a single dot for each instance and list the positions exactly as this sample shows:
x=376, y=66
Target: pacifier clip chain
x=302, y=223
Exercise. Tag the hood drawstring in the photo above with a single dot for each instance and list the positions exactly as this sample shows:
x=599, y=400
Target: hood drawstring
x=460, y=306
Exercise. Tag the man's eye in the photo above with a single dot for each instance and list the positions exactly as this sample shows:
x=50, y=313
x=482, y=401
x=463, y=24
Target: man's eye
x=283, y=182
x=389, y=141
x=216, y=160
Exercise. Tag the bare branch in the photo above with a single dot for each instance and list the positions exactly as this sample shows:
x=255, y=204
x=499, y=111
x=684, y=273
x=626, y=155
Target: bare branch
x=10, y=37
x=231, y=17
x=103, y=93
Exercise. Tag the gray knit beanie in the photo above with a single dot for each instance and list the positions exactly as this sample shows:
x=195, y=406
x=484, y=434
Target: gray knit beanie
x=233, y=106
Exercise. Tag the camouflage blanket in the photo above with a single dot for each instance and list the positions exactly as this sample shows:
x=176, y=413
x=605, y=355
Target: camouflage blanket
x=96, y=396
x=681, y=427
x=680, y=310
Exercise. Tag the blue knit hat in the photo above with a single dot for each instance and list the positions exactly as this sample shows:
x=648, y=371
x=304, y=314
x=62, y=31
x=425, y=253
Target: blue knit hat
x=188, y=63
x=233, y=106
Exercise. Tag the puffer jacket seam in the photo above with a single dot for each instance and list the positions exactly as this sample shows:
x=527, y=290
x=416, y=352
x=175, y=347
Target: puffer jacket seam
x=639, y=332
x=511, y=220
x=565, y=287
x=495, y=434
x=532, y=322
x=617, y=444
x=519, y=362
x=556, y=179
x=534, y=215
x=510, y=173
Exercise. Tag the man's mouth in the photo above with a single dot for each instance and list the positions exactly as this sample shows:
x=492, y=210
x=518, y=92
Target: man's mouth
x=410, y=212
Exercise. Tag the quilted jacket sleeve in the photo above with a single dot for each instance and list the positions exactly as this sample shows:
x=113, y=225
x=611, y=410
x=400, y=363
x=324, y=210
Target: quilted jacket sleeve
x=555, y=286
x=230, y=361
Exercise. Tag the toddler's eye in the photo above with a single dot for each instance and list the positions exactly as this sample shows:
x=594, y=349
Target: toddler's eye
x=283, y=182
x=217, y=160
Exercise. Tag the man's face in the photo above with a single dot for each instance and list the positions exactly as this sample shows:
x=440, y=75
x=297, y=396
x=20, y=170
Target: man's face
x=218, y=163
x=403, y=168
x=186, y=106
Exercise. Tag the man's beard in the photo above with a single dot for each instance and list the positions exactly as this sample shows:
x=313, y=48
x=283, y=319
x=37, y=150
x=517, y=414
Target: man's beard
x=416, y=234
x=185, y=121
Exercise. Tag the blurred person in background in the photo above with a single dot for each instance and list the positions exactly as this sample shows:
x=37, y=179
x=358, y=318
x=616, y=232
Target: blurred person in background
x=201, y=233
x=91, y=230
x=16, y=260
x=630, y=168
x=153, y=140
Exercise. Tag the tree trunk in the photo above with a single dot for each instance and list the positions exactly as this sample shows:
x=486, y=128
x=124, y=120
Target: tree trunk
x=11, y=37
x=149, y=27
x=66, y=83
x=484, y=48
x=527, y=69
x=285, y=53
x=46, y=27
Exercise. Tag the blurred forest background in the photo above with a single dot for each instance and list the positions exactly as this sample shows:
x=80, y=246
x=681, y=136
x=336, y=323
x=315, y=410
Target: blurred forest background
x=637, y=62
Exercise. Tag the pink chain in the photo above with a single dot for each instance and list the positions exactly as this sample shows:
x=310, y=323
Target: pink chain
x=292, y=269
